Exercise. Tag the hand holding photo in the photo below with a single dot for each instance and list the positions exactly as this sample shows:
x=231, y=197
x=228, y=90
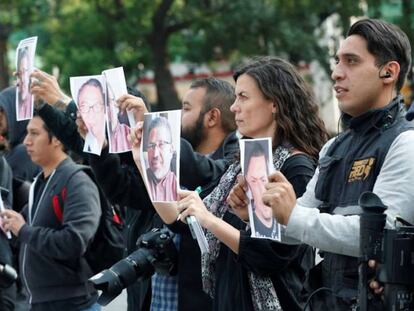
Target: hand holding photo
x=118, y=124
x=256, y=155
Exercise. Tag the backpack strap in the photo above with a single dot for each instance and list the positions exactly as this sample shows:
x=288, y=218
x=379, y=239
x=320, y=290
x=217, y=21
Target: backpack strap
x=60, y=189
x=58, y=201
x=59, y=196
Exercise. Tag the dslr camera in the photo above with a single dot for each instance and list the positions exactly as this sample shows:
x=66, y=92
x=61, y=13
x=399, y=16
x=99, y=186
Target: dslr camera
x=155, y=252
x=393, y=250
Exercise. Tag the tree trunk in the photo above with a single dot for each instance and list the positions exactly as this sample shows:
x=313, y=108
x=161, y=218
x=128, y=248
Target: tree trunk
x=167, y=97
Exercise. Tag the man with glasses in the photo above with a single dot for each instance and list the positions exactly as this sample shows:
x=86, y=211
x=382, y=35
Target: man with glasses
x=162, y=181
x=91, y=108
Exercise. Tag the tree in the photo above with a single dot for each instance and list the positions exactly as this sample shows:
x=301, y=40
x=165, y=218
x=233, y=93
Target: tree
x=86, y=37
x=16, y=23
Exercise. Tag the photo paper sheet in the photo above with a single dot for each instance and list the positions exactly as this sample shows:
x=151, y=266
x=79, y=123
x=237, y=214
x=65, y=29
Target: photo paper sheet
x=118, y=124
x=89, y=94
x=25, y=55
x=160, y=152
x=256, y=163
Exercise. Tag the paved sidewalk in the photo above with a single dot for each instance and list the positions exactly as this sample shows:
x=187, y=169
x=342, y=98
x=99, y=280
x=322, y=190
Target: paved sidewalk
x=118, y=304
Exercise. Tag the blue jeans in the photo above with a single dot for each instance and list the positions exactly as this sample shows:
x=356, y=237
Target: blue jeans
x=95, y=307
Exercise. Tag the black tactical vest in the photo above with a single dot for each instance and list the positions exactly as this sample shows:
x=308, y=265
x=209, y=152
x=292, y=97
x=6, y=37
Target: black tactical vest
x=350, y=167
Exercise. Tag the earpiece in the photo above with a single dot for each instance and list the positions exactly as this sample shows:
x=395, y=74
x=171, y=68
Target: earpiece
x=386, y=75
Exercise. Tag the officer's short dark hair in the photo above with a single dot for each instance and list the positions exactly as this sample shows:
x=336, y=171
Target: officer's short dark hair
x=386, y=42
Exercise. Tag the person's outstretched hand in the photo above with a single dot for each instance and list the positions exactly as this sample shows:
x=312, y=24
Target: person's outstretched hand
x=46, y=88
x=134, y=104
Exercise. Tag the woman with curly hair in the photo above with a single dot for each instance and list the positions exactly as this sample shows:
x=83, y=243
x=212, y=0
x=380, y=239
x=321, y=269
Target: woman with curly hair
x=240, y=272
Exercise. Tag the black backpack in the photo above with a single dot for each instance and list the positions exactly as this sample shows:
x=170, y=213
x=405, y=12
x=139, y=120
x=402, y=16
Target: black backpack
x=107, y=246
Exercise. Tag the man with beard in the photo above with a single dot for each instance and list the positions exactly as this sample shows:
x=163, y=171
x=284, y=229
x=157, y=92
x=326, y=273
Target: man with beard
x=206, y=116
x=208, y=127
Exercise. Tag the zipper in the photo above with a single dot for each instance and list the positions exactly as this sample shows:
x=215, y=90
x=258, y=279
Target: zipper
x=24, y=275
x=30, y=220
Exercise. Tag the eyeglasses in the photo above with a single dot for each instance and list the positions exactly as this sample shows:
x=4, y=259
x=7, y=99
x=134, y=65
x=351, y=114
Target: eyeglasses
x=95, y=107
x=162, y=145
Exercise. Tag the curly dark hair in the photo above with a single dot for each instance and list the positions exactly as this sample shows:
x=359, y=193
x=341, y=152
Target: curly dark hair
x=297, y=119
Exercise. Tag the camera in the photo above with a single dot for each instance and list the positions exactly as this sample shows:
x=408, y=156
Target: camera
x=7, y=276
x=393, y=249
x=156, y=252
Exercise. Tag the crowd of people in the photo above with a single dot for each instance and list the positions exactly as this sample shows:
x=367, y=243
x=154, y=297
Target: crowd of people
x=313, y=191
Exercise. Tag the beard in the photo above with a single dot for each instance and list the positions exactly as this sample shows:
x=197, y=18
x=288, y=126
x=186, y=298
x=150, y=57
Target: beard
x=194, y=134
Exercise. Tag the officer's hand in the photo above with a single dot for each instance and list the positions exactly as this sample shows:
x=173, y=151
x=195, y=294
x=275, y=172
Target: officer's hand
x=280, y=196
x=12, y=221
x=238, y=199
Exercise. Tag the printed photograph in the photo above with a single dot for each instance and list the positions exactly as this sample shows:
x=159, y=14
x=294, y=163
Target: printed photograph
x=25, y=54
x=160, y=151
x=118, y=123
x=256, y=159
x=89, y=95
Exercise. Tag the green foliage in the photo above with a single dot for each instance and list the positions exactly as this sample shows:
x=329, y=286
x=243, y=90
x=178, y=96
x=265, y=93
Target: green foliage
x=82, y=37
